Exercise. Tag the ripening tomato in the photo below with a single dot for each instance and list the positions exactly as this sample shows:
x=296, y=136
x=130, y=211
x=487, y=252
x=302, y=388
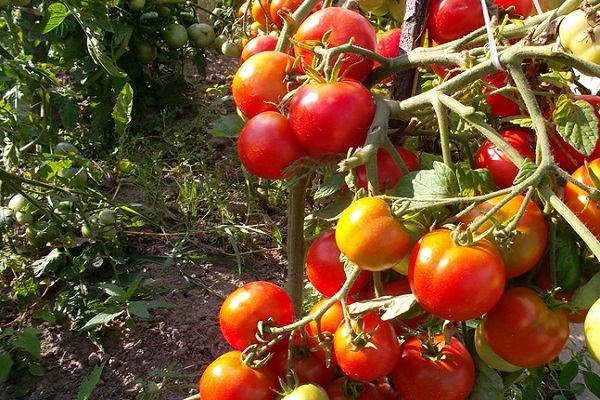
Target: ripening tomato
x=257, y=45
x=447, y=373
x=388, y=45
x=579, y=201
x=331, y=117
x=448, y=20
x=260, y=11
x=347, y=389
x=343, y=25
x=329, y=321
x=260, y=83
x=523, y=330
x=228, y=378
x=366, y=361
x=325, y=270
x=591, y=329
x=491, y=157
x=520, y=7
x=388, y=172
x=251, y=303
x=522, y=251
x=488, y=356
x=370, y=236
x=278, y=6
x=579, y=34
x=505, y=104
x=443, y=274
x=267, y=147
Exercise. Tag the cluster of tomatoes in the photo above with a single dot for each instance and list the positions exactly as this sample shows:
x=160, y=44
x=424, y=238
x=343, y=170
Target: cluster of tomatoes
x=411, y=306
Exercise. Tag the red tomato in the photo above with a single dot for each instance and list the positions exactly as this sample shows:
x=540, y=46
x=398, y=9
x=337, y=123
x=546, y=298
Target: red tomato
x=523, y=251
x=260, y=83
x=388, y=42
x=502, y=105
x=503, y=170
x=251, y=303
x=372, y=361
x=228, y=378
x=443, y=274
x=386, y=391
x=267, y=147
x=306, y=366
x=579, y=201
x=330, y=118
x=452, y=19
x=523, y=331
x=283, y=5
x=258, y=44
x=344, y=25
x=260, y=11
x=521, y=7
x=325, y=270
x=388, y=172
x=448, y=375
x=330, y=321
x=346, y=389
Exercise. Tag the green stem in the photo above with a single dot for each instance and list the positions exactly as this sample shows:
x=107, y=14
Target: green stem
x=442, y=118
x=295, y=240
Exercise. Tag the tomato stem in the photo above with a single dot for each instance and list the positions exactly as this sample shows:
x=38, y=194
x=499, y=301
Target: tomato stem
x=295, y=241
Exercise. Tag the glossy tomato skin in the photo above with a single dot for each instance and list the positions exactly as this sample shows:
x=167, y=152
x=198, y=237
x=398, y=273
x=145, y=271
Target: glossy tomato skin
x=388, y=172
x=267, y=146
x=443, y=274
x=344, y=24
x=329, y=118
x=488, y=356
x=309, y=391
x=417, y=377
x=579, y=37
x=444, y=16
x=278, y=6
x=578, y=200
x=521, y=7
x=260, y=83
x=369, y=235
x=325, y=270
x=502, y=105
x=257, y=45
x=523, y=331
x=251, y=303
x=491, y=157
x=228, y=378
x=528, y=244
x=342, y=388
x=370, y=362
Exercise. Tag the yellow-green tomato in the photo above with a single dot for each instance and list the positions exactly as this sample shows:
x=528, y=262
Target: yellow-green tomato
x=17, y=202
x=579, y=34
x=488, y=355
x=175, y=36
x=308, y=391
x=591, y=328
x=201, y=35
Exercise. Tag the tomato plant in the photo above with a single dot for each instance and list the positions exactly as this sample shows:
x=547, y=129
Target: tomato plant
x=523, y=330
x=258, y=44
x=433, y=370
x=442, y=274
x=304, y=365
x=501, y=104
x=369, y=235
x=175, y=36
x=250, y=304
x=443, y=16
x=388, y=172
x=578, y=32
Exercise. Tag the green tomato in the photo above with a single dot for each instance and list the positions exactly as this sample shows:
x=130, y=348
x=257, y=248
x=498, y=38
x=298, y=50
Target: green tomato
x=488, y=355
x=23, y=218
x=107, y=217
x=591, y=328
x=175, y=36
x=136, y=5
x=219, y=40
x=374, y=6
x=76, y=177
x=580, y=36
x=39, y=233
x=201, y=35
x=164, y=11
x=17, y=202
x=108, y=232
x=308, y=391
x=396, y=9
x=87, y=231
x=231, y=49
x=145, y=52
x=65, y=148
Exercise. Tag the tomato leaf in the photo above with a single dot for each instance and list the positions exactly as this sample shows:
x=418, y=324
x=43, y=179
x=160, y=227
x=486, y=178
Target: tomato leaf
x=228, y=126
x=437, y=183
x=89, y=383
x=122, y=109
x=6, y=364
x=332, y=184
x=587, y=294
x=567, y=374
x=488, y=383
x=592, y=381
x=56, y=14
x=28, y=340
x=526, y=169
x=404, y=306
x=473, y=182
x=577, y=124
x=51, y=262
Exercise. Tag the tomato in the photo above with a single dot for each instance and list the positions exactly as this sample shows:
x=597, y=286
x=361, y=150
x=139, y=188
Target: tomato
x=18, y=202
x=307, y=392
x=257, y=45
x=388, y=45
x=502, y=105
x=369, y=235
x=366, y=362
x=325, y=270
x=578, y=34
x=304, y=365
x=346, y=389
x=591, y=328
x=145, y=52
x=522, y=330
x=444, y=16
x=388, y=172
x=232, y=48
x=251, y=303
x=330, y=321
x=277, y=6
x=376, y=7
x=344, y=25
x=107, y=217
x=260, y=82
x=329, y=118
x=488, y=356
x=175, y=36
x=449, y=374
x=491, y=157
x=520, y=7
x=136, y=5
x=267, y=146
x=579, y=201
x=201, y=35
x=385, y=390
x=228, y=378
x=65, y=148
x=396, y=10
x=521, y=252
x=260, y=10
x=74, y=177
x=443, y=274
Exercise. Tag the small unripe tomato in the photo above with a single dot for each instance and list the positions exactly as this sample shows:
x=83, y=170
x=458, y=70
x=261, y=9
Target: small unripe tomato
x=579, y=34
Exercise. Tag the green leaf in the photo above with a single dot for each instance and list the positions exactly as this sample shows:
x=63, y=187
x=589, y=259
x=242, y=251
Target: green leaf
x=567, y=374
x=330, y=185
x=51, y=262
x=200, y=62
x=114, y=291
x=6, y=364
x=54, y=16
x=587, y=294
x=473, y=182
x=577, y=124
x=68, y=111
x=103, y=317
x=36, y=369
x=592, y=381
x=96, y=49
x=228, y=126
x=28, y=340
x=140, y=308
x=437, y=183
x=526, y=169
x=122, y=110
x=89, y=383
x=488, y=383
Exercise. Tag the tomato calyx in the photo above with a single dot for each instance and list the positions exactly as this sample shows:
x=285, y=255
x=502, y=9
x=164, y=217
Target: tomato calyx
x=360, y=338
x=352, y=389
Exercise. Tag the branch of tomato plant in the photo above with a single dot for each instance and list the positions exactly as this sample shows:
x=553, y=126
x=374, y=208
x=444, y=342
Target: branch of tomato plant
x=290, y=23
x=444, y=130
